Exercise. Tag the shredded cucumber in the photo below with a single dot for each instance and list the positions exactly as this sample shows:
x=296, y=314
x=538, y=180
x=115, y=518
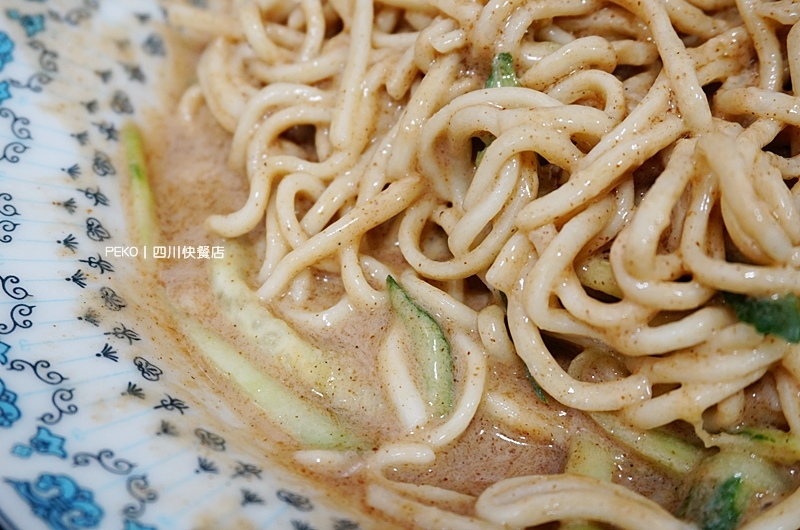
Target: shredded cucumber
x=589, y=456
x=671, y=452
x=537, y=388
x=310, y=425
x=725, y=486
x=596, y=274
x=323, y=374
x=432, y=350
x=502, y=73
x=142, y=196
x=773, y=444
x=775, y=315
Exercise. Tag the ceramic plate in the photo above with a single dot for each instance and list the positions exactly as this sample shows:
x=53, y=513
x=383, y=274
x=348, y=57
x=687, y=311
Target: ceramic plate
x=98, y=426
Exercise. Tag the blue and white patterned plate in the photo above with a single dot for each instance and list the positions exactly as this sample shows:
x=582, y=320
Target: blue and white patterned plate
x=100, y=426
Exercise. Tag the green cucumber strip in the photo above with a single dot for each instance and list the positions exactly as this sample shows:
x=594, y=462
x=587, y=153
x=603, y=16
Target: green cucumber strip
x=537, y=388
x=775, y=315
x=589, y=456
x=430, y=346
x=596, y=274
x=725, y=486
x=324, y=374
x=143, y=206
x=659, y=447
x=725, y=506
x=309, y=425
x=502, y=74
x=769, y=443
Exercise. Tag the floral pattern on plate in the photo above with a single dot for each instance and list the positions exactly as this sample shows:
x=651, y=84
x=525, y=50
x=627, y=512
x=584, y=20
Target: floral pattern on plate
x=96, y=428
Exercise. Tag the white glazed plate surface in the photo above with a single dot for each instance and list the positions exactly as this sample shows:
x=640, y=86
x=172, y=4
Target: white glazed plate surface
x=96, y=428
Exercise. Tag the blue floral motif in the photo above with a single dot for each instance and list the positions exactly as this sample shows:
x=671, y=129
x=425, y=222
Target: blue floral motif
x=130, y=524
x=3, y=346
x=45, y=442
x=60, y=502
x=32, y=24
x=9, y=413
x=22, y=451
x=5, y=92
x=6, y=47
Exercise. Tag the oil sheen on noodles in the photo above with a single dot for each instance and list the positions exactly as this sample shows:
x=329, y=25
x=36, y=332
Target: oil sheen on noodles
x=634, y=163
